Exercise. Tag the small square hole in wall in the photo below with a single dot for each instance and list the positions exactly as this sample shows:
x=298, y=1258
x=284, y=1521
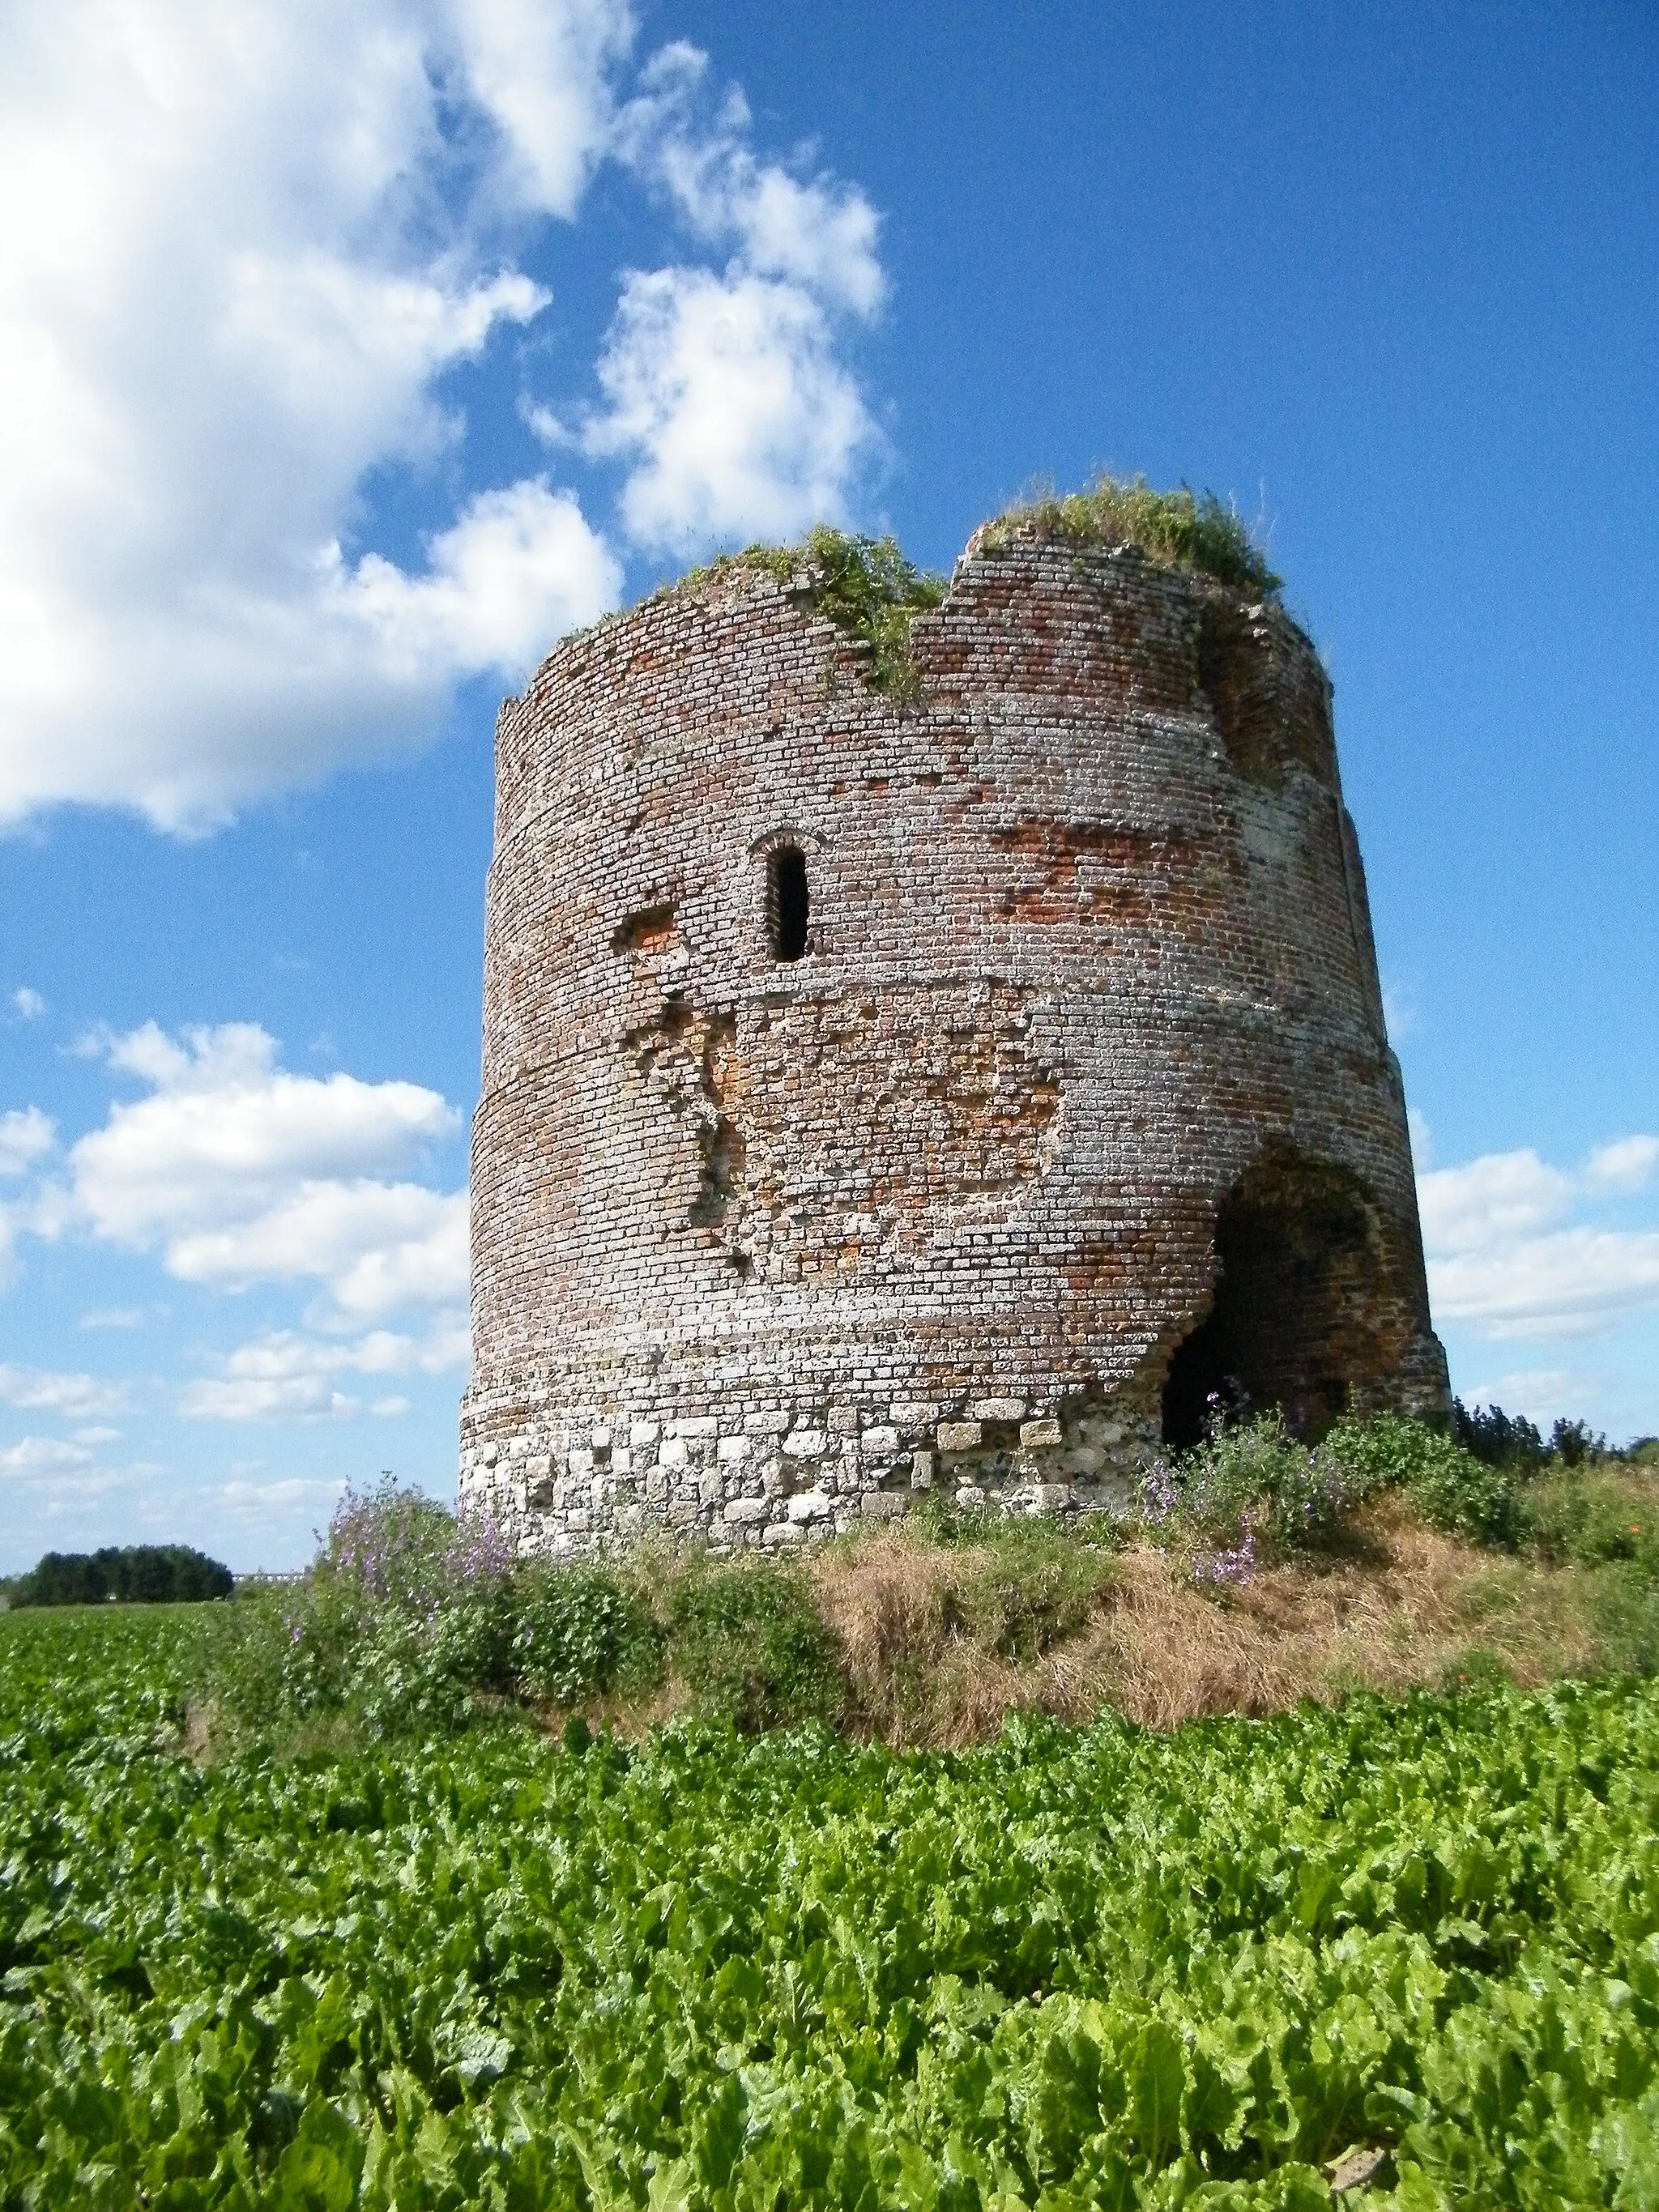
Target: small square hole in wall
x=787, y=904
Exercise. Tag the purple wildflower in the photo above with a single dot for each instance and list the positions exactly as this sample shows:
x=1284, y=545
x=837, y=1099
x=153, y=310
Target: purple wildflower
x=1234, y=1569
x=1160, y=1491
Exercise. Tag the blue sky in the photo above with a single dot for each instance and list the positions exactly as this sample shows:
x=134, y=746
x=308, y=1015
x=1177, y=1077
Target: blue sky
x=352, y=355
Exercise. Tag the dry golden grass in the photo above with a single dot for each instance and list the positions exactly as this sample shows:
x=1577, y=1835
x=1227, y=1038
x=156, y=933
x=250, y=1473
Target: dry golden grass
x=1399, y=1607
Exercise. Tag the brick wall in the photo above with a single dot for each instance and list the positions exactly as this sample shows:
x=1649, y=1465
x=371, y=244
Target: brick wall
x=763, y=1246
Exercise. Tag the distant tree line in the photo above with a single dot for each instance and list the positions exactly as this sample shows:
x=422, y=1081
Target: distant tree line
x=137, y=1574
x=1510, y=1440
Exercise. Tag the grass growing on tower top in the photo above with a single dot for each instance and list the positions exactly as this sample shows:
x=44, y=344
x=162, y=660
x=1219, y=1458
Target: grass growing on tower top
x=865, y=586
x=1179, y=529
x=872, y=591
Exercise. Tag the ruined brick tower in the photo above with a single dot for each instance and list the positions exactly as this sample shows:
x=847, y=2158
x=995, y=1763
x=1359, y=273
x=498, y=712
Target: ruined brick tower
x=943, y=1089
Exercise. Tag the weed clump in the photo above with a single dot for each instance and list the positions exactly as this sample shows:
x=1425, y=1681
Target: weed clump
x=865, y=586
x=874, y=593
x=581, y=1631
x=404, y=1616
x=411, y=1620
x=1179, y=529
x=1246, y=1496
x=1450, y=1488
x=750, y=1645
x=1592, y=1517
x=1016, y=1588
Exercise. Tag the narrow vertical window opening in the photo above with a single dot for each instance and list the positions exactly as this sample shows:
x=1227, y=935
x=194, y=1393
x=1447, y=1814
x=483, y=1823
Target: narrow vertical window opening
x=787, y=903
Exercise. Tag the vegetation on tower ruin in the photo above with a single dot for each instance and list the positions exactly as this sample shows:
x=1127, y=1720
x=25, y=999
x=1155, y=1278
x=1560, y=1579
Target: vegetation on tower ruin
x=865, y=586
x=869, y=588
x=1179, y=529
x=873, y=592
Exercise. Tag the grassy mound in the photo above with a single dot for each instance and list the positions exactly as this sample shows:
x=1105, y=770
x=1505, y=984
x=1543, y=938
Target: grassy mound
x=1254, y=1572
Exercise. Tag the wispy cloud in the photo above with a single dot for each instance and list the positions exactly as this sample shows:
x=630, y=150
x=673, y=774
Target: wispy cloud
x=289, y=1376
x=728, y=392
x=43, y=1455
x=44, y=1390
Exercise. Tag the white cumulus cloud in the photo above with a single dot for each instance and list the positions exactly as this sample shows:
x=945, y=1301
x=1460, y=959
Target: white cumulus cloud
x=46, y=1390
x=378, y=1246
x=816, y=231
x=267, y=1397
x=27, y=1003
x=42, y=1455
x=25, y=1137
x=542, y=73
x=241, y=1172
x=288, y=1375
x=1539, y=1392
x=1506, y=1255
x=726, y=391
x=1569, y=1283
x=248, y=1501
x=243, y=253
x=1623, y=1167
x=231, y=279
x=518, y=567
x=225, y=1135
x=729, y=396
x=1500, y=1195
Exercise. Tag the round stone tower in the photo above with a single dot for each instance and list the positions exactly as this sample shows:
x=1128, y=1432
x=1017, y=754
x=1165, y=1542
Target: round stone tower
x=946, y=1085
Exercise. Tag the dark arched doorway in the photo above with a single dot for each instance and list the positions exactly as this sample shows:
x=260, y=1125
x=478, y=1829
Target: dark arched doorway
x=1303, y=1317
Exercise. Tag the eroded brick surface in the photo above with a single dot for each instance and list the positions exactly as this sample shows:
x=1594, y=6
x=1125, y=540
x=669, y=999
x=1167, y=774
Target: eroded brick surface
x=762, y=1248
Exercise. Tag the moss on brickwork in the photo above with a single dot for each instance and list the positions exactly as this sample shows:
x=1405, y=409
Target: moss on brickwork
x=1177, y=529
x=865, y=586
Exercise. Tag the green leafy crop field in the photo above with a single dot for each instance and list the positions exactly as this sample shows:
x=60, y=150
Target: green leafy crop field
x=1224, y=1967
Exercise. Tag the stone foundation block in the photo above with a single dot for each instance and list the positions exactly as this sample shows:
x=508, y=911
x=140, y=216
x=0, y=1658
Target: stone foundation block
x=884, y=1505
x=999, y=1409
